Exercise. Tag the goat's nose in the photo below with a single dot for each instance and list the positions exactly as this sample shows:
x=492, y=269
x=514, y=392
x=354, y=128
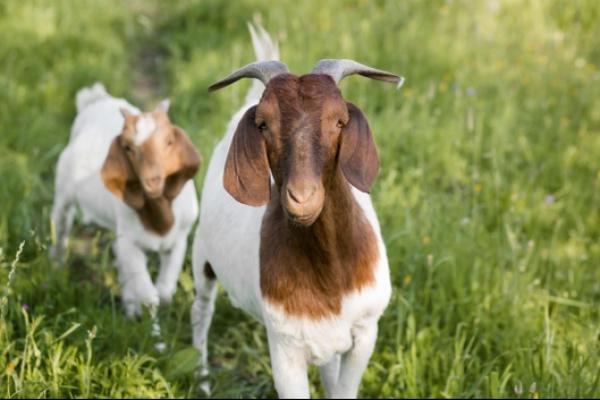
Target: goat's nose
x=301, y=195
x=152, y=184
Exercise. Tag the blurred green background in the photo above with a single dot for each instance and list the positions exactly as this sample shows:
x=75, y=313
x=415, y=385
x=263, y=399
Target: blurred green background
x=488, y=194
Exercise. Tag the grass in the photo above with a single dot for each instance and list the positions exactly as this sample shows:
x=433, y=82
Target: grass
x=488, y=194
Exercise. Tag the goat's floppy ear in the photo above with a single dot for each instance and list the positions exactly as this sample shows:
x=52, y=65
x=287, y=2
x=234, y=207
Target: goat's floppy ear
x=189, y=161
x=118, y=177
x=246, y=175
x=358, y=154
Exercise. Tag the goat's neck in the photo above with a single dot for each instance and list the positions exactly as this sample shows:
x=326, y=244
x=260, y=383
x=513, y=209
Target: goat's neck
x=157, y=215
x=307, y=270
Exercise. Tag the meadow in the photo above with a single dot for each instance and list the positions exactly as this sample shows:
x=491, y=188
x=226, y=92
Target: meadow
x=488, y=195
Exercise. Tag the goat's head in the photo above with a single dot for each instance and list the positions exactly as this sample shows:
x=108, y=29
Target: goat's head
x=301, y=130
x=151, y=158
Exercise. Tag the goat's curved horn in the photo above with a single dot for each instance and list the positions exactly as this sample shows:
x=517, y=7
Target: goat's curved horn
x=262, y=70
x=339, y=69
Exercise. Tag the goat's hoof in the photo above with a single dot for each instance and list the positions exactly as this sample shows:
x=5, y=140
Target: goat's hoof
x=135, y=308
x=132, y=309
x=204, y=387
x=136, y=295
x=165, y=294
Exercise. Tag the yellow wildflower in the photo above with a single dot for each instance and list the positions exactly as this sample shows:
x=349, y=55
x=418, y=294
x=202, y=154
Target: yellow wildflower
x=10, y=367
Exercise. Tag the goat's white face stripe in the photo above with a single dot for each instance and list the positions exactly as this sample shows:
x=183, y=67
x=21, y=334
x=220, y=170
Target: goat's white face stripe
x=144, y=128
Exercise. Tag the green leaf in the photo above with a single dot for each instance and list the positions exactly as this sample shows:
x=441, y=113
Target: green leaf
x=182, y=363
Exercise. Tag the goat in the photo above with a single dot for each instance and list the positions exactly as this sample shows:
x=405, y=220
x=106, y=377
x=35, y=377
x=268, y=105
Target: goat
x=288, y=228
x=130, y=172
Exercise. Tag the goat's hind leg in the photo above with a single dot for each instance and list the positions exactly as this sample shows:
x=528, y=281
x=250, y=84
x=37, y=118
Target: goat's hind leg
x=63, y=213
x=63, y=209
x=203, y=308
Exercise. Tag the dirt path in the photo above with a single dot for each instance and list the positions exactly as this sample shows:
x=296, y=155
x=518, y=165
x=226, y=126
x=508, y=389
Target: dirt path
x=148, y=87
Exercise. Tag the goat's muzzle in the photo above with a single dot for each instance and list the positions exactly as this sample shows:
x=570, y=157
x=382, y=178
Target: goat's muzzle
x=303, y=202
x=153, y=186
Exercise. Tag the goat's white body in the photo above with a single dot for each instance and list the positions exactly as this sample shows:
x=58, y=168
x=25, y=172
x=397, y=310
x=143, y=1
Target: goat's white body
x=79, y=185
x=228, y=237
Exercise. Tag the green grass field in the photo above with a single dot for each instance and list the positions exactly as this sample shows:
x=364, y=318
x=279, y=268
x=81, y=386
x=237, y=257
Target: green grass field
x=489, y=192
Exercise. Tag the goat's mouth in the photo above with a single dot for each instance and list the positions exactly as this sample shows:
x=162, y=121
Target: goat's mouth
x=302, y=217
x=153, y=192
x=154, y=195
x=153, y=186
x=302, y=220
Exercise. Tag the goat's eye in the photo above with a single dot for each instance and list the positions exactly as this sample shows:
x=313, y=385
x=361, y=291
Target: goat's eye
x=127, y=148
x=262, y=127
x=340, y=124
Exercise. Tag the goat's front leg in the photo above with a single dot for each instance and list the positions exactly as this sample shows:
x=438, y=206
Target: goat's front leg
x=330, y=373
x=171, y=263
x=136, y=283
x=290, y=369
x=354, y=362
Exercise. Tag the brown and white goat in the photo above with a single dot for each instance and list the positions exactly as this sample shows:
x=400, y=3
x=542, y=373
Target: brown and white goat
x=287, y=226
x=130, y=172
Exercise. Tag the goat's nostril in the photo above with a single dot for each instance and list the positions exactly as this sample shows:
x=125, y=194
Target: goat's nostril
x=292, y=196
x=301, y=196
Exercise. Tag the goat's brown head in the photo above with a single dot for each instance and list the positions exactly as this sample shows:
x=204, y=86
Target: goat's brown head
x=150, y=159
x=303, y=132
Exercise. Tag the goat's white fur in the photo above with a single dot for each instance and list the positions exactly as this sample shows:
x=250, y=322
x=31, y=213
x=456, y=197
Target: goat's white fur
x=79, y=185
x=144, y=128
x=228, y=237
